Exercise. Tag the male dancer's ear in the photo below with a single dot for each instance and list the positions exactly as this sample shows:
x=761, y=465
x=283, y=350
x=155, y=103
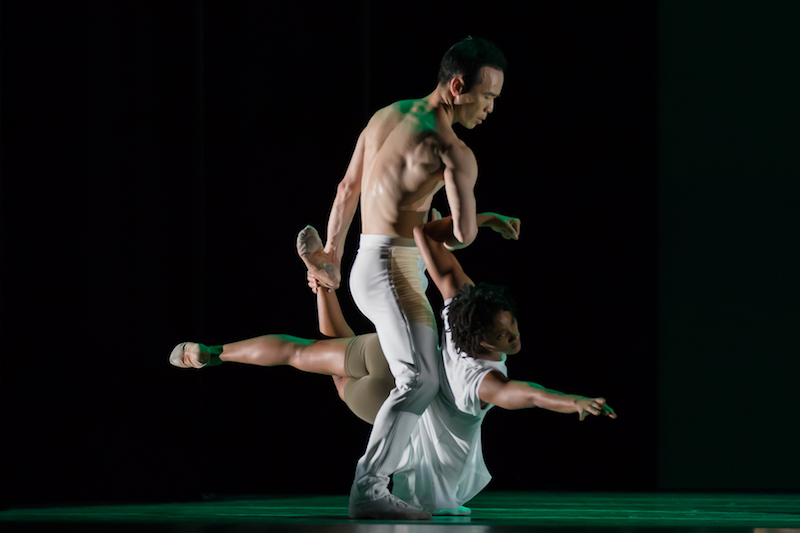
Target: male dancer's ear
x=456, y=87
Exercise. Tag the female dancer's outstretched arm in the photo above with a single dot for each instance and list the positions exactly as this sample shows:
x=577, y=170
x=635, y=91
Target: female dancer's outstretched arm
x=448, y=275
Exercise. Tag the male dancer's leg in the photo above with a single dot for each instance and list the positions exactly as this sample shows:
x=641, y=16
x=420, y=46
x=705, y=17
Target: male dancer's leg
x=386, y=287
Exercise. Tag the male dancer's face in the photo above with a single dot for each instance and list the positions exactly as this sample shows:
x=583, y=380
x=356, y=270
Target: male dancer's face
x=503, y=335
x=473, y=107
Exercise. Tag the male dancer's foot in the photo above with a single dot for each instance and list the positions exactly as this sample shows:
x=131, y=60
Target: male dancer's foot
x=310, y=250
x=388, y=507
x=193, y=355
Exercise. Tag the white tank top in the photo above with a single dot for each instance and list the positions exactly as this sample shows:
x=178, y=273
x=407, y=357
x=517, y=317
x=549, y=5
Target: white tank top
x=443, y=465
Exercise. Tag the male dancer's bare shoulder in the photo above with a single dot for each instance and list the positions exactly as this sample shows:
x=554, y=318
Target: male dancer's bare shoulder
x=410, y=146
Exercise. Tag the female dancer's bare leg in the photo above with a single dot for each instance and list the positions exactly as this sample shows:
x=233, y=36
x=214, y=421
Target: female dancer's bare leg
x=315, y=356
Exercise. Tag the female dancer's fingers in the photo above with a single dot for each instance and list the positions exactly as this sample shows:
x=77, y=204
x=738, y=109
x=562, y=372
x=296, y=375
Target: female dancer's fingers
x=313, y=282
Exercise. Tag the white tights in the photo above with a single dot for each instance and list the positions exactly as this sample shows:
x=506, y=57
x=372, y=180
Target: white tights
x=388, y=284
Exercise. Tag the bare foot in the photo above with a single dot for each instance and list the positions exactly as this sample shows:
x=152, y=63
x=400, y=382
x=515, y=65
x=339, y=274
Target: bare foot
x=190, y=355
x=309, y=248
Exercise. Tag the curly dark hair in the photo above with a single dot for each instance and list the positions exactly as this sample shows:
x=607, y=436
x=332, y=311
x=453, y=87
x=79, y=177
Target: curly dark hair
x=466, y=57
x=472, y=311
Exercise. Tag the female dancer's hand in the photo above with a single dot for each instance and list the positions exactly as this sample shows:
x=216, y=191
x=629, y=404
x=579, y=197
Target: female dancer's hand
x=313, y=282
x=594, y=406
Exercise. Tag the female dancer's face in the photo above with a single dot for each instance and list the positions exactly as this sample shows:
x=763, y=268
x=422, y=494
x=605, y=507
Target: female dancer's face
x=503, y=336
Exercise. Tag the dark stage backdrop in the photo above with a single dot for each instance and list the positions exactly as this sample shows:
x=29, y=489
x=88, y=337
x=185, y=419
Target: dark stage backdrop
x=158, y=161
x=729, y=254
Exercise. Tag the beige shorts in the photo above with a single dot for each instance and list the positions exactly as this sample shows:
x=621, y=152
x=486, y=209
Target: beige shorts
x=370, y=378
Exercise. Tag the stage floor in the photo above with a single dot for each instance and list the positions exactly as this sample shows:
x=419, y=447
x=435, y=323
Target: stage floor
x=492, y=512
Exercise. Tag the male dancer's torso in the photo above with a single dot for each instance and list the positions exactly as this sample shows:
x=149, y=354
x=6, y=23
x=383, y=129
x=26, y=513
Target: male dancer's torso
x=405, y=144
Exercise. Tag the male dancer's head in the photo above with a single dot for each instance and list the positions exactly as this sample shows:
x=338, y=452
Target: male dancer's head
x=471, y=74
x=483, y=321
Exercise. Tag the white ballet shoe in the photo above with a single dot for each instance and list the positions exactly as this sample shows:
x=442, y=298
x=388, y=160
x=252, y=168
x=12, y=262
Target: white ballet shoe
x=388, y=507
x=309, y=248
x=189, y=355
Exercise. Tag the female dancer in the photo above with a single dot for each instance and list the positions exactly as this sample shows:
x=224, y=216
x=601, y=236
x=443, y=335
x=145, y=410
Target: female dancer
x=443, y=466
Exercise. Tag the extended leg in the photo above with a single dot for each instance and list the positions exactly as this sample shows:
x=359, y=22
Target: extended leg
x=318, y=357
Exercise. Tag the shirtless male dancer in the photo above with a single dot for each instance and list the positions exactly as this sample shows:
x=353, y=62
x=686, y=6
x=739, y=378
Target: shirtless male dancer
x=406, y=153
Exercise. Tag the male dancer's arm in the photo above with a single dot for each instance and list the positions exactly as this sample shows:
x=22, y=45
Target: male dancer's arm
x=343, y=210
x=440, y=229
x=460, y=174
x=443, y=267
x=497, y=389
x=329, y=312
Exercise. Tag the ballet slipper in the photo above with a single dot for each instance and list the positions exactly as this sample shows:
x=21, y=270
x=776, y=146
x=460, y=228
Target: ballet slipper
x=309, y=248
x=189, y=355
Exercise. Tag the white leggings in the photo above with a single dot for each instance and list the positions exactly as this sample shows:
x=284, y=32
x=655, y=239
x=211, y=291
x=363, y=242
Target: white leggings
x=388, y=284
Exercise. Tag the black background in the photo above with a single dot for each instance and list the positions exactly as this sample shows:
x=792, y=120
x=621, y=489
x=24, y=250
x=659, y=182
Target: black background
x=160, y=157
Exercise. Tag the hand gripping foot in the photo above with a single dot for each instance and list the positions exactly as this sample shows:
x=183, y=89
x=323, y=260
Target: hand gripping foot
x=309, y=248
x=189, y=355
x=388, y=507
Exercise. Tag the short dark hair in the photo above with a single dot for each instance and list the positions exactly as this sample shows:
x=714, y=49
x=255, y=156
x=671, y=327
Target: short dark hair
x=471, y=314
x=465, y=59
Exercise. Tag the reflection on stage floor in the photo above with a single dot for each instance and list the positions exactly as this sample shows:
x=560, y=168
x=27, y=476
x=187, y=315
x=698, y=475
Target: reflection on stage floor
x=492, y=512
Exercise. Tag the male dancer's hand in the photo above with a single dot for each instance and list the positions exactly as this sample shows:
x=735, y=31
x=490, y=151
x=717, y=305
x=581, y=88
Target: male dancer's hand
x=594, y=406
x=508, y=227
